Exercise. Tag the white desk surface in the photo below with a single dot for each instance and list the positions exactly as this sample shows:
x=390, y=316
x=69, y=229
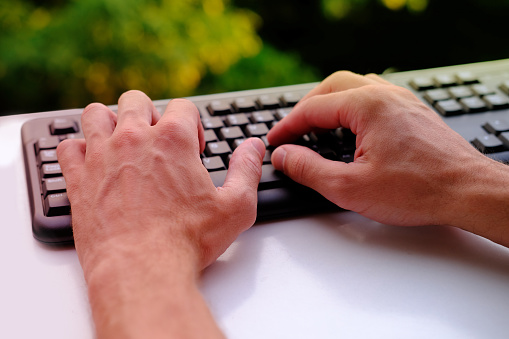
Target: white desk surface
x=329, y=276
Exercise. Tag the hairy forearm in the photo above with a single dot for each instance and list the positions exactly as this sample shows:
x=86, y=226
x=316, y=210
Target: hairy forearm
x=148, y=292
x=481, y=203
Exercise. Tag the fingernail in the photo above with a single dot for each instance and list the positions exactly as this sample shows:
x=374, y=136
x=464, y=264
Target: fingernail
x=278, y=158
x=259, y=146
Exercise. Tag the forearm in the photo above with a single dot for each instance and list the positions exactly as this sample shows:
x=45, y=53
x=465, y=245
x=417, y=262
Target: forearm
x=481, y=202
x=149, y=294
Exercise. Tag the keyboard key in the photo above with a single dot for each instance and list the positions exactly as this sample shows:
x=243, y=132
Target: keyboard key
x=488, y=144
x=46, y=143
x=46, y=156
x=466, y=78
x=482, y=90
x=217, y=148
x=505, y=87
x=213, y=164
x=212, y=123
x=51, y=170
x=53, y=185
x=210, y=135
x=239, y=119
x=290, y=99
x=449, y=107
x=219, y=107
x=56, y=204
x=244, y=105
x=256, y=130
x=218, y=177
x=496, y=126
x=460, y=92
x=268, y=101
x=434, y=95
x=422, y=83
x=282, y=112
x=230, y=133
x=445, y=80
x=63, y=126
x=271, y=178
x=496, y=101
x=504, y=137
x=262, y=116
x=473, y=104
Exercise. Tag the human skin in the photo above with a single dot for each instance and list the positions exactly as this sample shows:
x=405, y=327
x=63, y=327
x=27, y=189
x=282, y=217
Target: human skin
x=409, y=167
x=147, y=218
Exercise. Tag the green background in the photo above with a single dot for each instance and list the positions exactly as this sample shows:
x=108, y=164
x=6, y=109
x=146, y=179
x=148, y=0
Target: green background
x=60, y=54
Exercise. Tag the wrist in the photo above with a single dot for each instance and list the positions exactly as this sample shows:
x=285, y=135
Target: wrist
x=481, y=202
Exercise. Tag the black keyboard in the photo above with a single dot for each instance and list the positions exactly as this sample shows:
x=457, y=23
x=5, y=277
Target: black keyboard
x=473, y=99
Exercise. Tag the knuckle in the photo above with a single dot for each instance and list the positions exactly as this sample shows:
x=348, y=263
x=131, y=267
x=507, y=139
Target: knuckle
x=296, y=165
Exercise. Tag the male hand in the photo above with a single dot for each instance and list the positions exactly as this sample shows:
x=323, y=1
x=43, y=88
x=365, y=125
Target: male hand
x=409, y=167
x=147, y=218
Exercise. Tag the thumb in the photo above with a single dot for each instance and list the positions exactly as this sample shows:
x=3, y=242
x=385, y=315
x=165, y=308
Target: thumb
x=244, y=172
x=331, y=179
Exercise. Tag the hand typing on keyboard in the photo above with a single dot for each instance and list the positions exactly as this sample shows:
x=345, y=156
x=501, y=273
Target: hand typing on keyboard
x=147, y=217
x=409, y=167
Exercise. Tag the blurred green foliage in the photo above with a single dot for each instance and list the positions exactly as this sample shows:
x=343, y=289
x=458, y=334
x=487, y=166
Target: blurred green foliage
x=69, y=53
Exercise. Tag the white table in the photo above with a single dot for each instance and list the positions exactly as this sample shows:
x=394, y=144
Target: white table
x=328, y=276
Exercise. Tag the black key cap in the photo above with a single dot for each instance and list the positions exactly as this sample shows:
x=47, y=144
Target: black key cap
x=256, y=130
x=268, y=101
x=63, y=126
x=213, y=164
x=212, y=123
x=46, y=143
x=262, y=116
x=282, y=112
x=51, y=170
x=449, y=107
x=46, y=156
x=53, y=185
x=217, y=148
x=230, y=133
x=219, y=107
x=210, y=135
x=56, y=204
x=290, y=99
x=488, y=144
x=505, y=87
x=496, y=126
x=239, y=119
x=244, y=105
x=504, y=137
x=218, y=177
x=271, y=178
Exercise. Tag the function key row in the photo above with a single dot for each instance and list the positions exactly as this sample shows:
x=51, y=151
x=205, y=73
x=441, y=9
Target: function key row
x=247, y=104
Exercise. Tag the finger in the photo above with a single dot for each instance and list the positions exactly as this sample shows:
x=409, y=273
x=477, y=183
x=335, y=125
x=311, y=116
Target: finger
x=136, y=109
x=182, y=112
x=377, y=78
x=98, y=123
x=326, y=111
x=339, y=81
x=327, y=177
x=71, y=156
x=244, y=173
